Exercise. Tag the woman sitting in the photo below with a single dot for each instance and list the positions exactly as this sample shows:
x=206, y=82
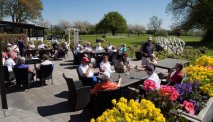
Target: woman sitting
x=105, y=65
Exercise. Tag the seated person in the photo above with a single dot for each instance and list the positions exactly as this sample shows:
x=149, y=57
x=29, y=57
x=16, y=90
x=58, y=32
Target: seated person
x=9, y=62
x=88, y=47
x=45, y=61
x=85, y=70
x=40, y=45
x=31, y=45
x=152, y=60
x=106, y=84
x=152, y=76
x=99, y=47
x=176, y=75
x=123, y=64
x=109, y=47
x=15, y=48
x=21, y=64
x=122, y=49
x=105, y=65
x=10, y=51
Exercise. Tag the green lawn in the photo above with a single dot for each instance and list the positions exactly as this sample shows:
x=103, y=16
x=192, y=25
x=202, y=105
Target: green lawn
x=134, y=40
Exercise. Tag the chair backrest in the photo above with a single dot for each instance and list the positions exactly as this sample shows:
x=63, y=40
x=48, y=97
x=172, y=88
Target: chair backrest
x=116, y=65
x=70, y=84
x=21, y=75
x=46, y=71
x=103, y=99
x=79, y=76
x=6, y=73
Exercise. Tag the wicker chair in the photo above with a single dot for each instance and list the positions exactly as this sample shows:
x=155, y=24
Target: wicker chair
x=78, y=97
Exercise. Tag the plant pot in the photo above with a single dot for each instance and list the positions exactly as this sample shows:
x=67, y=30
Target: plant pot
x=205, y=115
x=138, y=55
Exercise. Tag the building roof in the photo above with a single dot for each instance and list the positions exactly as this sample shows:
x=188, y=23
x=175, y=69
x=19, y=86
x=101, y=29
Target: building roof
x=7, y=23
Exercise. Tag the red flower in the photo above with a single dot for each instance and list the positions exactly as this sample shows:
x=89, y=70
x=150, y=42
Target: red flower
x=149, y=85
x=189, y=107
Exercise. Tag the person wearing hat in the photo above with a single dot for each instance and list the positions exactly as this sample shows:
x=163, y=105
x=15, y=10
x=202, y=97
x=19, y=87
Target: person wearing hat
x=106, y=84
x=84, y=69
x=147, y=50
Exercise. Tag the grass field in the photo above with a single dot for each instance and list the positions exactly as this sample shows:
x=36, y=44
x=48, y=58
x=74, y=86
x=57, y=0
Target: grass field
x=134, y=40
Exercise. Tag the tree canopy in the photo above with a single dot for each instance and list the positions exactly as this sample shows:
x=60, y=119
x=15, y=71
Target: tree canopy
x=192, y=14
x=22, y=10
x=154, y=23
x=113, y=22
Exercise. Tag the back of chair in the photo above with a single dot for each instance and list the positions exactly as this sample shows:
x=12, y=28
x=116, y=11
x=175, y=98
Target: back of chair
x=85, y=81
x=116, y=65
x=103, y=100
x=21, y=75
x=46, y=72
x=6, y=73
x=70, y=84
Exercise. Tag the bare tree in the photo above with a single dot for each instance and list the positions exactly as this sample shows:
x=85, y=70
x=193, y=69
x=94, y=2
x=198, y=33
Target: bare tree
x=42, y=23
x=83, y=26
x=154, y=24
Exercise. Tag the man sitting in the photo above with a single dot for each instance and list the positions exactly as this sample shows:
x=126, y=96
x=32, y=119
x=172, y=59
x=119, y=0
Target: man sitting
x=175, y=76
x=105, y=65
x=106, y=84
x=99, y=47
x=85, y=70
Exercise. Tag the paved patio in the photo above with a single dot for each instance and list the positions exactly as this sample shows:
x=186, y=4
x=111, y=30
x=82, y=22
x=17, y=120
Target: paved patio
x=50, y=101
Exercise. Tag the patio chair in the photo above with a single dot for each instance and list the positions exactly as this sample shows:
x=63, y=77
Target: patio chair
x=8, y=76
x=78, y=97
x=22, y=76
x=102, y=100
x=45, y=73
x=85, y=81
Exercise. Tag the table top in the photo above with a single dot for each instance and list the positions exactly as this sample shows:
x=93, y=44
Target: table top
x=33, y=61
x=170, y=63
x=132, y=78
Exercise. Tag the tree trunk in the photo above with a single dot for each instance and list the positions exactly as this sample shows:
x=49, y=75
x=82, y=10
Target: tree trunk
x=113, y=32
x=208, y=37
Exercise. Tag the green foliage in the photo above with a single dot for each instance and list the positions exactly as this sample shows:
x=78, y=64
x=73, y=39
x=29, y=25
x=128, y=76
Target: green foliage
x=113, y=22
x=12, y=38
x=161, y=32
x=22, y=10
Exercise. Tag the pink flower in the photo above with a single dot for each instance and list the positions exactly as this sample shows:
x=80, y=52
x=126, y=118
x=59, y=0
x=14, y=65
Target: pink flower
x=149, y=85
x=189, y=107
x=168, y=91
x=174, y=95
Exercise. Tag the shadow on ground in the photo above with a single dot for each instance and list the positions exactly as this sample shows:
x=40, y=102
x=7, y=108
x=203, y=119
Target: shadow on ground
x=84, y=116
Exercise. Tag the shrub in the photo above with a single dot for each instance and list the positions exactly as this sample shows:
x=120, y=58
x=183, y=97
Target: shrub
x=161, y=32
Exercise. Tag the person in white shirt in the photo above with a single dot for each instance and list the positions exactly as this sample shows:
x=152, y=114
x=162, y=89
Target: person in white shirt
x=40, y=45
x=84, y=69
x=9, y=62
x=109, y=47
x=105, y=65
x=99, y=47
x=153, y=76
x=31, y=45
x=88, y=47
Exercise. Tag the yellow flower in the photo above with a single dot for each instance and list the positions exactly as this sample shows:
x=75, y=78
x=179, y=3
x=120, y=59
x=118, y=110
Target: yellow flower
x=114, y=101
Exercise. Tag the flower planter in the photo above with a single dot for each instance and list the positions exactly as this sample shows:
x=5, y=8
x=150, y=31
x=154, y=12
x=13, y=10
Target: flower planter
x=205, y=115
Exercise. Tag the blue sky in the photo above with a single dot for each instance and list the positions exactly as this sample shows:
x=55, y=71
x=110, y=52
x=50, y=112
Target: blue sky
x=134, y=11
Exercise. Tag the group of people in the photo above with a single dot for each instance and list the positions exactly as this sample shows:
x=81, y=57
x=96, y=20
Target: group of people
x=88, y=48
x=148, y=64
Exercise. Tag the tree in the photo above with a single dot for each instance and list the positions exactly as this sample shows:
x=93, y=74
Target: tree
x=154, y=24
x=136, y=28
x=113, y=22
x=42, y=23
x=23, y=10
x=84, y=26
x=2, y=9
x=194, y=14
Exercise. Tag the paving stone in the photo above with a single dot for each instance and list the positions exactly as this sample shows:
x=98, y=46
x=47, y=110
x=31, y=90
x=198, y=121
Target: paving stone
x=10, y=119
x=2, y=114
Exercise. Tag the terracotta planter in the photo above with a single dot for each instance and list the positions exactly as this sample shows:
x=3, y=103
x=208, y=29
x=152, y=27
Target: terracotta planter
x=205, y=115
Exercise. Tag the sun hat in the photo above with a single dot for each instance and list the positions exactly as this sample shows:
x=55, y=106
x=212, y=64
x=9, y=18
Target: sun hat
x=85, y=59
x=106, y=75
x=150, y=38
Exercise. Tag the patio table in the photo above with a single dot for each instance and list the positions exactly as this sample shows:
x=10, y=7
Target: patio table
x=169, y=63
